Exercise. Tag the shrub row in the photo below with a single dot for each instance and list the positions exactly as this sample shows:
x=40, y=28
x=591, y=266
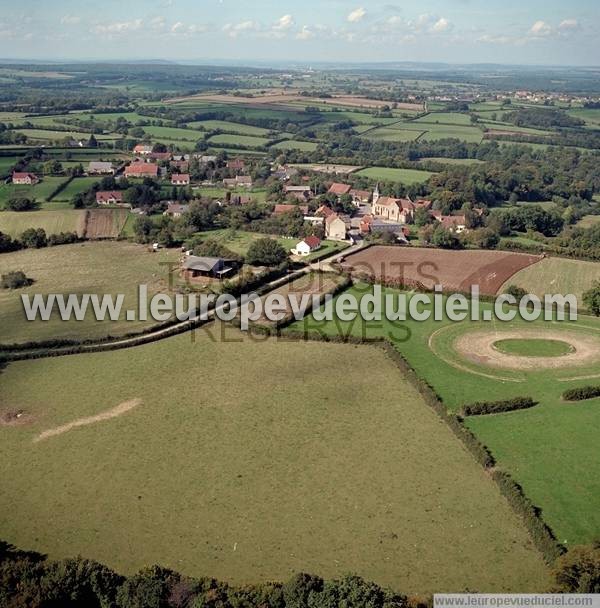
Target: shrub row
x=59, y=188
x=481, y=408
x=582, y=393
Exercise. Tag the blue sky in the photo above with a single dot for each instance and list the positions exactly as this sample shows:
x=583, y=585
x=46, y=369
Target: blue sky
x=456, y=31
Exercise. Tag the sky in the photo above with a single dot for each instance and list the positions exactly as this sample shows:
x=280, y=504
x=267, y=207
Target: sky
x=533, y=32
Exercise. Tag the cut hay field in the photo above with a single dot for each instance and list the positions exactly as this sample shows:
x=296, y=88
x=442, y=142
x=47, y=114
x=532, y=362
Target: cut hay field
x=276, y=469
x=230, y=127
x=406, y=176
x=40, y=192
x=550, y=449
x=238, y=140
x=100, y=267
x=294, y=144
x=14, y=223
x=557, y=275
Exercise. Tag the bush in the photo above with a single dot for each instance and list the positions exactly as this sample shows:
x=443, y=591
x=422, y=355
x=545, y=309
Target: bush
x=582, y=393
x=21, y=204
x=591, y=299
x=517, y=292
x=62, y=238
x=14, y=280
x=482, y=408
x=34, y=238
x=579, y=570
x=266, y=252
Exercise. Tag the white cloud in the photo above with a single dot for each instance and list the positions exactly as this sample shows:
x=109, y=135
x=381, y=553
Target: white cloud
x=233, y=30
x=441, y=25
x=492, y=39
x=284, y=23
x=356, y=15
x=540, y=29
x=119, y=27
x=70, y=20
x=568, y=25
x=305, y=34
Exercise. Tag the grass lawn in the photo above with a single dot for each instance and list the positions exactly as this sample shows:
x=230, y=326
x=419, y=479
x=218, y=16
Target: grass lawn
x=79, y=184
x=406, y=176
x=550, y=449
x=258, y=194
x=448, y=118
x=437, y=132
x=49, y=135
x=40, y=192
x=533, y=348
x=239, y=240
x=91, y=267
x=277, y=468
x=394, y=134
x=15, y=223
x=557, y=275
x=294, y=144
x=238, y=140
x=230, y=127
x=174, y=133
x=6, y=164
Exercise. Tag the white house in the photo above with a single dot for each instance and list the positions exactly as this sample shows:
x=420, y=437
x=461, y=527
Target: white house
x=307, y=246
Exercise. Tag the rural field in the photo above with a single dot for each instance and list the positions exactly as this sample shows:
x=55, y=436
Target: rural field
x=557, y=275
x=405, y=176
x=281, y=479
x=39, y=192
x=549, y=449
x=14, y=223
x=102, y=267
x=454, y=270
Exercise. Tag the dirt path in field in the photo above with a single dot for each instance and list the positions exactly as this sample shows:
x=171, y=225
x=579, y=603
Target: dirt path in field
x=115, y=412
x=478, y=347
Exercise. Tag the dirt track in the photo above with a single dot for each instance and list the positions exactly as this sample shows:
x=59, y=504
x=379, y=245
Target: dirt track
x=478, y=347
x=119, y=410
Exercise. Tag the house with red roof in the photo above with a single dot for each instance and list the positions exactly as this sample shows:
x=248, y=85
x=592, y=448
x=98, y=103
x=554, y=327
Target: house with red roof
x=141, y=170
x=180, y=179
x=281, y=209
x=307, y=246
x=335, y=227
x=324, y=211
x=236, y=164
x=339, y=189
x=109, y=197
x=143, y=149
x=28, y=179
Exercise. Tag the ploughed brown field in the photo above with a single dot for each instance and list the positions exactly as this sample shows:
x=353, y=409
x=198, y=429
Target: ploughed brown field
x=104, y=223
x=454, y=270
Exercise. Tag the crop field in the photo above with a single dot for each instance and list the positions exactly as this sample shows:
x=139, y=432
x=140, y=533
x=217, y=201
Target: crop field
x=39, y=192
x=14, y=223
x=557, y=275
x=49, y=135
x=76, y=186
x=391, y=133
x=174, y=133
x=268, y=490
x=447, y=118
x=230, y=127
x=549, y=449
x=293, y=144
x=406, y=176
x=101, y=267
x=468, y=134
x=104, y=223
x=454, y=270
x=238, y=140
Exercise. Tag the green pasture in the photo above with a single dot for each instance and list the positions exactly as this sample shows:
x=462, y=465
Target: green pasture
x=406, y=176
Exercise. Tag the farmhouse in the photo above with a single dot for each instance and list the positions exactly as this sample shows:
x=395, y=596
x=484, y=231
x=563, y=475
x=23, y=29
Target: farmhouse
x=307, y=246
x=239, y=180
x=360, y=197
x=109, y=197
x=204, y=159
x=181, y=166
x=284, y=173
x=180, y=179
x=237, y=164
x=302, y=193
x=281, y=209
x=324, y=211
x=176, y=209
x=454, y=223
x=141, y=170
x=142, y=149
x=335, y=228
x=196, y=267
x=160, y=156
x=339, y=189
x=28, y=179
x=100, y=168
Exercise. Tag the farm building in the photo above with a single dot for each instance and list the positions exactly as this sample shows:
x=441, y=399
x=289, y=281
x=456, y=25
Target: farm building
x=143, y=149
x=97, y=167
x=360, y=197
x=239, y=180
x=302, y=193
x=182, y=166
x=28, y=179
x=454, y=223
x=339, y=189
x=109, y=197
x=180, y=179
x=236, y=164
x=141, y=170
x=281, y=209
x=197, y=267
x=160, y=156
x=307, y=246
x=176, y=209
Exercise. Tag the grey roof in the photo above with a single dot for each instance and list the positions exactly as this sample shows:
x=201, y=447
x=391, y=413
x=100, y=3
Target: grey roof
x=204, y=264
x=97, y=165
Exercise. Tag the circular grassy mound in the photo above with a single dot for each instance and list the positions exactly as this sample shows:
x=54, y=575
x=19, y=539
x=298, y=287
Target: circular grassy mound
x=533, y=347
